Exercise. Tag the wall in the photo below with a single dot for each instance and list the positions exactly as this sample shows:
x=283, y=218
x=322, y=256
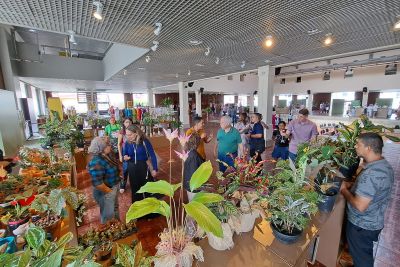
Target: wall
x=160, y=97
x=321, y=97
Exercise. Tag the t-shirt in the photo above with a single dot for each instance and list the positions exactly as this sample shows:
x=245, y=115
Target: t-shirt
x=257, y=129
x=112, y=130
x=200, y=149
x=228, y=141
x=280, y=140
x=301, y=133
x=374, y=182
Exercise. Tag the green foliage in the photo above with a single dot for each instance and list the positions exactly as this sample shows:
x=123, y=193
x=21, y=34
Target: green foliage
x=206, y=198
x=58, y=198
x=204, y=217
x=166, y=102
x=160, y=187
x=146, y=206
x=201, y=175
x=135, y=257
x=223, y=210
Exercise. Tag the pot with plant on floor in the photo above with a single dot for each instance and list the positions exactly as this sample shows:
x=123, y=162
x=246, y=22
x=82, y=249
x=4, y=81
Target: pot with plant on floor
x=176, y=247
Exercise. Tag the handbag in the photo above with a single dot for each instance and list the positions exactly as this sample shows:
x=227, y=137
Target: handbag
x=149, y=160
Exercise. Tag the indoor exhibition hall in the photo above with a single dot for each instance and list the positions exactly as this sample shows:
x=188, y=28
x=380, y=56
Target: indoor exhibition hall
x=139, y=133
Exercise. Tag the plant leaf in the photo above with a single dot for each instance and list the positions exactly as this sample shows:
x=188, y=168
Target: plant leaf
x=35, y=237
x=159, y=187
x=204, y=217
x=25, y=258
x=392, y=138
x=206, y=198
x=201, y=175
x=65, y=239
x=146, y=206
x=55, y=258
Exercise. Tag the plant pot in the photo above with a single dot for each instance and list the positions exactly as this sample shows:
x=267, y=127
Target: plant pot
x=12, y=225
x=224, y=243
x=52, y=227
x=11, y=246
x=284, y=237
x=349, y=171
x=102, y=255
x=247, y=221
x=328, y=199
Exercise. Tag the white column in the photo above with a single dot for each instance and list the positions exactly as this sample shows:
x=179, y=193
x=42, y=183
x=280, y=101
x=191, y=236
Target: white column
x=310, y=102
x=198, y=102
x=251, y=103
x=265, y=95
x=150, y=98
x=183, y=105
x=364, y=101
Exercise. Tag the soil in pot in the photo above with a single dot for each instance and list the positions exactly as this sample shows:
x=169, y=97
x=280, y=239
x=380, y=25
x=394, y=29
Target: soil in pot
x=51, y=224
x=285, y=237
x=328, y=199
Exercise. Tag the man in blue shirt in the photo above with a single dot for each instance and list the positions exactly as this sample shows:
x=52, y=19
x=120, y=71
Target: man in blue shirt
x=367, y=199
x=228, y=143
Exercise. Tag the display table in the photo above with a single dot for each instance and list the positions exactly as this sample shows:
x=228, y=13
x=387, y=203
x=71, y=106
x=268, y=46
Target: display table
x=260, y=248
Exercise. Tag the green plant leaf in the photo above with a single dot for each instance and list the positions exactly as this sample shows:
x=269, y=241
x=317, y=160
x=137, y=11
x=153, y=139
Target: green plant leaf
x=201, y=175
x=55, y=258
x=65, y=239
x=35, y=237
x=206, y=198
x=159, y=187
x=125, y=255
x=392, y=138
x=25, y=258
x=146, y=206
x=327, y=151
x=204, y=217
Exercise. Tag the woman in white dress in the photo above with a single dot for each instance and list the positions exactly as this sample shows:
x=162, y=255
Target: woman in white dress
x=243, y=126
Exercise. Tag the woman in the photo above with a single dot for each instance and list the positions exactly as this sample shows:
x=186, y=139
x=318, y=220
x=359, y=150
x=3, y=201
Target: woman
x=257, y=142
x=243, y=126
x=105, y=178
x=193, y=161
x=142, y=161
x=112, y=131
x=281, y=149
x=121, y=142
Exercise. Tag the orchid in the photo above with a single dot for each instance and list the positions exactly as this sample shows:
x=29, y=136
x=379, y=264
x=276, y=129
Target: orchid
x=170, y=135
x=183, y=156
x=183, y=139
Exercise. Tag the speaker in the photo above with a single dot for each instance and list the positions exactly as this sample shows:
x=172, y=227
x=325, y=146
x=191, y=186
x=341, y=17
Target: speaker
x=308, y=92
x=190, y=84
x=365, y=89
x=201, y=90
x=277, y=70
x=298, y=80
x=255, y=92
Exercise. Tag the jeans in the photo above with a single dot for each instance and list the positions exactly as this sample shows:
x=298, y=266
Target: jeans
x=108, y=203
x=228, y=159
x=361, y=244
x=292, y=156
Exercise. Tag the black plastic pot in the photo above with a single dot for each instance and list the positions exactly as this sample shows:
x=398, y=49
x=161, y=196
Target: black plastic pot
x=328, y=199
x=349, y=171
x=286, y=238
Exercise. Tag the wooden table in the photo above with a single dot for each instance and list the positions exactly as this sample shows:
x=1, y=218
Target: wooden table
x=4, y=163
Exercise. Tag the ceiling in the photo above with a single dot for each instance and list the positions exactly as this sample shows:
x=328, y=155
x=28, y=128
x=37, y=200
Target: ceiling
x=233, y=29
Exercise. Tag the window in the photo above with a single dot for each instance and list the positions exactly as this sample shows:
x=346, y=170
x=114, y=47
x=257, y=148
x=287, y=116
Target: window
x=140, y=99
x=229, y=99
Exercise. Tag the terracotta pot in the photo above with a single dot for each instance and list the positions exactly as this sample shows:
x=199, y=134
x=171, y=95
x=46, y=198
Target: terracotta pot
x=54, y=228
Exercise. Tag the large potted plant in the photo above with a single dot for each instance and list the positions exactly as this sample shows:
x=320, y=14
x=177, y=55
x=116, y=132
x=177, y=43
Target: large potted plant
x=176, y=247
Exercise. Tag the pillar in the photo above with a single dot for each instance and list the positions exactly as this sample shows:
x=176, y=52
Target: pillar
x=364, y=101
x=150, y=98
x=276, y=100
x=250, y=101
x=265, y=93
x=183, y=105
x=310, y=102
x=198, y=102
x=127, y=97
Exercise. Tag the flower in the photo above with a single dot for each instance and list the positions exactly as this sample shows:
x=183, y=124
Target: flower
x=14, y=203
x=171, y=136
x=184, y=155
x=183, y=139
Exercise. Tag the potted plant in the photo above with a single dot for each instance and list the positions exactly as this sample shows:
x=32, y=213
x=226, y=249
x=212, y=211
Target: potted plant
x=248, y=211
x=327, y=188
x=207, y=110
x=133, y=256
x=176, y=247
x=103, y=251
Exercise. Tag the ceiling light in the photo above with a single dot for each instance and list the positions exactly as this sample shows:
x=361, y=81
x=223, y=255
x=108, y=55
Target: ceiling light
x=243, y=64
x=72, y=37
x=269, y=41
x=195, y=42
x=155, y=45
x=189, y=73
x=199, y=65
x=217, y=60
x=313, y=31
x=125, y=72
x=32, y=30
x=148, y=59
x=207, y=51
x=397, y=24
x=328, y=39
x=98, y=14
x=177, y=75
x=158, y=28
x=141, y=68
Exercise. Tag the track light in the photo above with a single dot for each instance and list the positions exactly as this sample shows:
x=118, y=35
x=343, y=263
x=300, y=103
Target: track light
x=158, y=28
x=217, y=60
x=189, y=73
x=328, y=39
x=98, y=14
x=396, y=26
x=125, y=72
x=148, y=59
x=72, y=37
x=269, y=41
x=243, y=64
x=155, y=45
x=207, y=51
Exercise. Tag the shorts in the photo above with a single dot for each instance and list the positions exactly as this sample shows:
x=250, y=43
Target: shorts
x=280, y=152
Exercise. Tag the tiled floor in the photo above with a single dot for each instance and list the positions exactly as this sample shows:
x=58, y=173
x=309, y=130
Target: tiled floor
x=388, y=252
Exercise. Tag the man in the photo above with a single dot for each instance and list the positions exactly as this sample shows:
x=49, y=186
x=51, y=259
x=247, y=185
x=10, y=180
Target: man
x=228, y=143
x=300, y=130
x=198, y=128
x=367, y=199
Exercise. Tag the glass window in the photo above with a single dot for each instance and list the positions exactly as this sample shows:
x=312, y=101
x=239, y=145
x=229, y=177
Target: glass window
x=229, y=99
x=242, y=100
